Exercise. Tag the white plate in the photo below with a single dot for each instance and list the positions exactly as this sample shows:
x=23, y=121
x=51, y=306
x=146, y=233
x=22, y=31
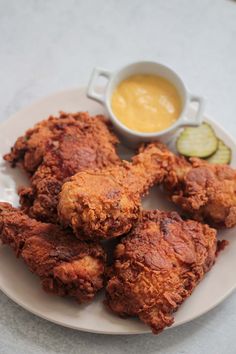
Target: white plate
x=24, y=288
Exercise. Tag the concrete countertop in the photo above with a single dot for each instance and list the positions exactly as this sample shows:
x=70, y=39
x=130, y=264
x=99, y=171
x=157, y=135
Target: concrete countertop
x=53, y=45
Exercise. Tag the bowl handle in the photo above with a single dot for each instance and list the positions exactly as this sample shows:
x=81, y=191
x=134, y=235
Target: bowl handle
x=196, y=120
x=91, y=92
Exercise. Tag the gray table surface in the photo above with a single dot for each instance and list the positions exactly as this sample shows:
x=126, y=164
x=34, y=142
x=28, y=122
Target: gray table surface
x=46, y=46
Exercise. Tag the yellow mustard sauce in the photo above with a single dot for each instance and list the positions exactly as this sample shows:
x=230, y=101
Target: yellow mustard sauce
x=146, y=103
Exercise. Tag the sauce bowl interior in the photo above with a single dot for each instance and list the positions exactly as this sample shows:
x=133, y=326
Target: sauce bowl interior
x=150, y=68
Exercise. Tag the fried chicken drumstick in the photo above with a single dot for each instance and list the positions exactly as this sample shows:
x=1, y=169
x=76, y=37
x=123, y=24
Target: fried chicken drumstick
x=56, y=149
x=206, y=192
x=65, y=265
x=158, y=265
x=105, y=203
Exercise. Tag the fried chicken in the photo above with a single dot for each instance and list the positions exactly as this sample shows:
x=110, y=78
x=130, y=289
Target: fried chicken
x=65, y=265
x=105, y=203
x=158, y=265
x=56, y=149
x=206, y=192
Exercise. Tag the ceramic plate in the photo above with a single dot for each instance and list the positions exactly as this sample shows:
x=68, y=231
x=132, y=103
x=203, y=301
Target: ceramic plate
x=24, y=288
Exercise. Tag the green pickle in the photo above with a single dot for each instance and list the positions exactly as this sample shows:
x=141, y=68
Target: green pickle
x=197, y=142
x=222, y=154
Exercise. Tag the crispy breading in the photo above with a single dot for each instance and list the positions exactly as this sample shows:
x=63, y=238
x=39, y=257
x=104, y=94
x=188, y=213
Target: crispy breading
x=65, y=265
x=206, y=192
x=105, y=203
x=158, y=265
x=56, y=149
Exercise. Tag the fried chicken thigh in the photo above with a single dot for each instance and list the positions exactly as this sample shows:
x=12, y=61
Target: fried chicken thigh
x=105, y=203
x=56, y=149
x=65, y=265
x=206, y=192
x=158, y=265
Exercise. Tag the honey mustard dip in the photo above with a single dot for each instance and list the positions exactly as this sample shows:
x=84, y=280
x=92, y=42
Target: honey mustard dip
x=146, y=103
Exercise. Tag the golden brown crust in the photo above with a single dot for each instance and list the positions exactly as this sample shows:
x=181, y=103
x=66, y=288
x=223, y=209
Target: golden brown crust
x=158, y=265
x=106, y=203
x=56, y=149
x=206, y=192
x=30, y=148
x=97, y=205
x=65, y=265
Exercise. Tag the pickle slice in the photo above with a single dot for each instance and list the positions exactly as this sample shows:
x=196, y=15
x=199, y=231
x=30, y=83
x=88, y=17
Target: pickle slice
x=222, y=155
x=197, y=142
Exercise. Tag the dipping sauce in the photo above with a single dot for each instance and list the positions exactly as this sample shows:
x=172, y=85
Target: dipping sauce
x=146, y=103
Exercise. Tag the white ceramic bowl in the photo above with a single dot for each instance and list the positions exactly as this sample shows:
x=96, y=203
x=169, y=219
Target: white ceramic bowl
x=132, y=137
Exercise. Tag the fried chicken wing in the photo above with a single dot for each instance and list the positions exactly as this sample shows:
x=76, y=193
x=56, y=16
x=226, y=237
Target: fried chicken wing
x=105, y=203
x=158, y=265
x=206, y=192
x=65, y=265
x=30, y=148
x=56, y=149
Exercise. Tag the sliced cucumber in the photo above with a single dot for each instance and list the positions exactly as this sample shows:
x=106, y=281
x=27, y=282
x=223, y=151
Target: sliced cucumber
x=197, y=142
x=222, y=155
